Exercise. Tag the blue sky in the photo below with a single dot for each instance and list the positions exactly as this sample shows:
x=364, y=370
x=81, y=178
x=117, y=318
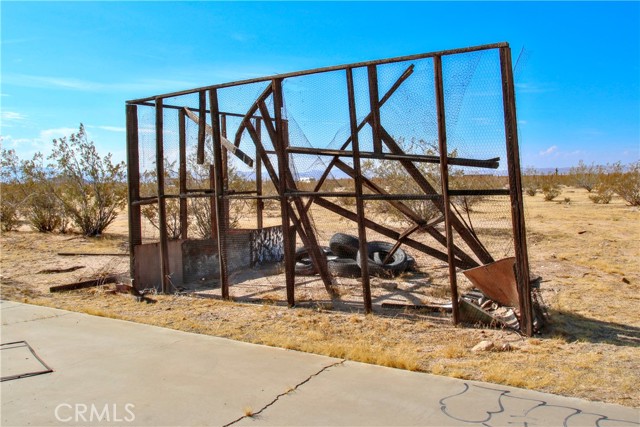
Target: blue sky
x=63, y=63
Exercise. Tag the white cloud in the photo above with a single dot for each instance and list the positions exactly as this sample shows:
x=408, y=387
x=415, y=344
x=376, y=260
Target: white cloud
x=49, y=134
x=549, y=150
x=533, y=88
x=50, y=82
x=107, y=128
x=12, y=116
x=20, y=144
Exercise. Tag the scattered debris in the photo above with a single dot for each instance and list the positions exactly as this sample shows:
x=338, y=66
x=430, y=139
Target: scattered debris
x=85, y=284
x=60, y=270
x=482, y=346
x=445, y=308
x=91, y=254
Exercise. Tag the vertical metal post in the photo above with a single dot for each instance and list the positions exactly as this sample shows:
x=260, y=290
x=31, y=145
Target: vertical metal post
x=362, y=231
x=212, y=203
x=283, y=165
x=225, y=170
x=444, y=178
x=259, y=202
x=202, y=108
x=133, y=178
x=182, y=130
x=162, y=213
x=515, y=193
x=374, y=102
x=219, y=192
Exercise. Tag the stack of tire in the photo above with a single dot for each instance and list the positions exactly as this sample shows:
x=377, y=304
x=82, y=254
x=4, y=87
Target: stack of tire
x=344, y=260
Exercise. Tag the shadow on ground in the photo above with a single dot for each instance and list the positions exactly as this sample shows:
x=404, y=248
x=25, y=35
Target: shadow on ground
x=576, y=327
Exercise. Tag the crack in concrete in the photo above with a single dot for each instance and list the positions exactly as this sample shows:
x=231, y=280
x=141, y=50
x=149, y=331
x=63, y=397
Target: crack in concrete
x=291, y=390
x=33, y=320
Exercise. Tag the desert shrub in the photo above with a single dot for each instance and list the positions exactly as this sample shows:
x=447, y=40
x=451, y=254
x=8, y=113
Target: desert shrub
x=9, y=208
x=148, y=185
x=41, y=208
x=626, y=183
x=460, y=181
x=530, y=181
x=605, y=187
x=172, y=216
x=549, y=186
x=90, y=187
x=584, y=176
x=200, y=209
x=10, y=192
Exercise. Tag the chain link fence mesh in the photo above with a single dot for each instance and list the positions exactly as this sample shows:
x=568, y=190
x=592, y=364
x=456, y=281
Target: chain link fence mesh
x=316, y=118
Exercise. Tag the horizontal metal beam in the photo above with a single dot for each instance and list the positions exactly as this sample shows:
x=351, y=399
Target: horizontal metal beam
x=492, y=163
x=324, y=70
x=486, y=192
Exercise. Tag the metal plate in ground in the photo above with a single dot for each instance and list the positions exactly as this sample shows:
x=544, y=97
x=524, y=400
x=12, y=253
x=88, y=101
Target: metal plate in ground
x=20, y=361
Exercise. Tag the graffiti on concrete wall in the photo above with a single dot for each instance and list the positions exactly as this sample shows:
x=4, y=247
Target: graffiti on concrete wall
x=267, y=245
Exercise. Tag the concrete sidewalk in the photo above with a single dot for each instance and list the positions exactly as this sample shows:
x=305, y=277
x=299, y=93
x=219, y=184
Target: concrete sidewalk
x=111, y=372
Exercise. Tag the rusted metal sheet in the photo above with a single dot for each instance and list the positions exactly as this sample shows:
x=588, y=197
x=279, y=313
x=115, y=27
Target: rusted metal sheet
x=497, y=281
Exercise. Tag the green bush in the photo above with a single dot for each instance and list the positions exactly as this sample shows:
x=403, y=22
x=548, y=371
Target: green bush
x=91, y=188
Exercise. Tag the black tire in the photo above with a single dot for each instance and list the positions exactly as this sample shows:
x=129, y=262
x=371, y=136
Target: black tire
x=304, y=266
x=302, y=253
x=344, y=245
x=378, y=251
x=344, y=267
x=411, y=264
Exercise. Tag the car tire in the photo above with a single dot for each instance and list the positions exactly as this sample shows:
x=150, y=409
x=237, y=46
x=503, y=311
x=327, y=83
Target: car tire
x=344, y=267
x=378, y=251
x=344, y=245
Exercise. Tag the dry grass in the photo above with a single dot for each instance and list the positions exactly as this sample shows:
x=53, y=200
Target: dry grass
x=587, y=254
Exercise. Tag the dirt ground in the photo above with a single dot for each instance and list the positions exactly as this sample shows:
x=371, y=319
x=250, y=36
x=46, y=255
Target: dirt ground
x=588, y=256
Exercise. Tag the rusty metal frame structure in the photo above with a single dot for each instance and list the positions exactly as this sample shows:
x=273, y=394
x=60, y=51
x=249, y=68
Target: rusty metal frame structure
x=293, y=207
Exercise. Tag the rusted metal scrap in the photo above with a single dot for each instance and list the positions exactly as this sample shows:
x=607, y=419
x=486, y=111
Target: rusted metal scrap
x=496, y=280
